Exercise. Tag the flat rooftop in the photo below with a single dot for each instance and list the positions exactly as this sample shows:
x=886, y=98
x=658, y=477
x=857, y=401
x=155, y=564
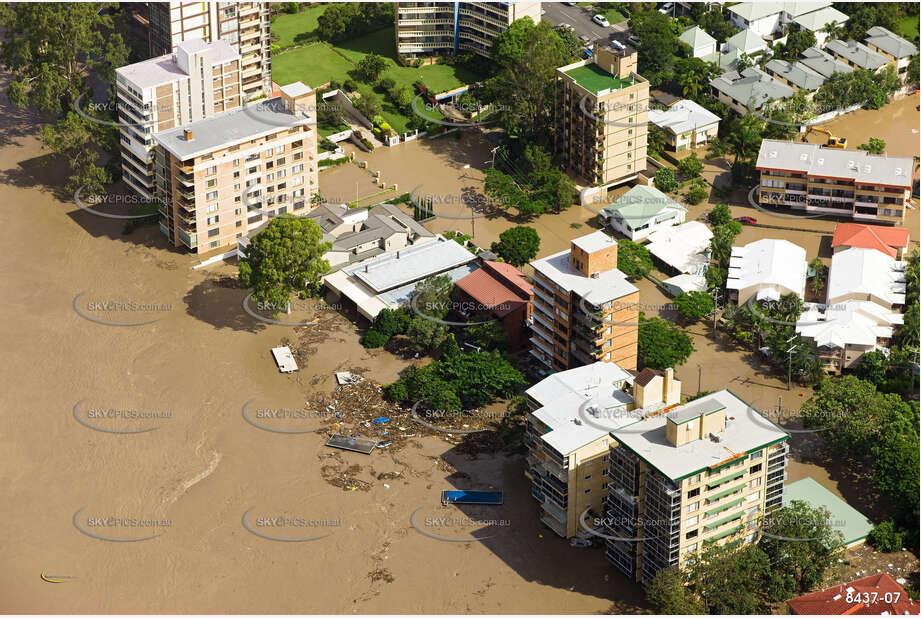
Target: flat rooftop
x=165, y=69
x=610, y=284
x=596, y=80
x=411, y=264
x=228, y=128
x=746, y=430
x=815, y=160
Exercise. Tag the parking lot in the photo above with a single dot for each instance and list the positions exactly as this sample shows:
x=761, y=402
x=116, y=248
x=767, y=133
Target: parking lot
x=580, y=18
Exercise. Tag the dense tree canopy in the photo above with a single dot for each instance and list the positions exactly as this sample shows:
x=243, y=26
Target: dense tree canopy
x=517, y=245
x=661, y=344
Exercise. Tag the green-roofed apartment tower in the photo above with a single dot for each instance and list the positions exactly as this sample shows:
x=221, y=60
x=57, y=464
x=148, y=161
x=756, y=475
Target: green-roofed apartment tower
x=601, y=114
x=679, y=481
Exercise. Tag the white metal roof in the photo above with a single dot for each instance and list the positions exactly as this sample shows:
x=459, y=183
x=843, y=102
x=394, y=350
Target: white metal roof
x=774, y=266
x=852, y=322
x=609, y=285
x=682, y=247
x=687, y=283
x=685, y=115
x=816, y=160
x=165, y=69
x=866, y=271
x=596, y=241
x=397, y=268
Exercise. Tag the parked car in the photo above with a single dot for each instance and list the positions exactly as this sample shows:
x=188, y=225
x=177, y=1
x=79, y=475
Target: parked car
x=634, y=40
x=667, y=8
x=746, y=220
x=571, y=3
x=601, y=20
x=566, y=26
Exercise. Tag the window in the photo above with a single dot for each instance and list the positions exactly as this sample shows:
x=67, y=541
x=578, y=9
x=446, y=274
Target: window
x=693, y=507
x=753, y=497
x=694, y=479
x=269, y=152
x=280, y=162
x=604, y=443
x=238, y=211
x=297, y=168
x=236, y=162
x=694, y=493
x=253, y=169
x=755, y=455
x=211, y=171
x=211, y=195
x=588, y=476
x=280, y=149
x=213, y=220
x=214, y=232
x=691, y=521
x=691, y=547
x=212, y=183
x=754, y=469
x=236, y=174
x=239, y=224
x=270, y=176
x=690, y=535
x=213, y=244
x=237, y=186
x=212, y=207
x=588, y=491
x=755, y=482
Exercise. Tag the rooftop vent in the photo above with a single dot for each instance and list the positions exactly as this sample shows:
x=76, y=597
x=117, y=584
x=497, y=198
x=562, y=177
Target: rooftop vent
x=596, y=274
x=772, y=154
x=188, y=135
x=803, y=157
x=898, y=171
x=715, y=437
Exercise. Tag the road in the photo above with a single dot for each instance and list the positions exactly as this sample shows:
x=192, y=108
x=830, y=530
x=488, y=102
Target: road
x=580, y=18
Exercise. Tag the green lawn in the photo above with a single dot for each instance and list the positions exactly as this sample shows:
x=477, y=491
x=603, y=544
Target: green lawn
x=613, y=15
x=287, y=28
x=908, y=28
x=314, y=65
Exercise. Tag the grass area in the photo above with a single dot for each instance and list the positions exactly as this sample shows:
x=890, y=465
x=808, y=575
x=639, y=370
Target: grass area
x=613, y=15
x=314, y=65
x=319, y=63
x=595, y=79
x=296, y=29
x=325, y=130
x=908, y=28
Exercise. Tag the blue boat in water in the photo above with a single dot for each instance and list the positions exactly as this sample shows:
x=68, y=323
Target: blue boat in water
x=471, y=497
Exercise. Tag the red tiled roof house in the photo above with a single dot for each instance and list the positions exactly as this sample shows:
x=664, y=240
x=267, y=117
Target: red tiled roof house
x=502, y=291
x=893, y=241
x=873, y=595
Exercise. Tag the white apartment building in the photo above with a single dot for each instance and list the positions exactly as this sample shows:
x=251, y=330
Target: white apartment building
x=244, y=25
x=198, y=80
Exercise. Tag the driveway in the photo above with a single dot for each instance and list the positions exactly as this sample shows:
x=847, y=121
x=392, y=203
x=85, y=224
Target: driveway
x=580, y=18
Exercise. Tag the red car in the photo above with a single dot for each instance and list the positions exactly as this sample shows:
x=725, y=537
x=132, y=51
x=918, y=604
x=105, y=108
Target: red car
x=746, y=220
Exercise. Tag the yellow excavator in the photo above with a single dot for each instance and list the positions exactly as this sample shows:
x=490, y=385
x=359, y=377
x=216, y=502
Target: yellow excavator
x=833, y=141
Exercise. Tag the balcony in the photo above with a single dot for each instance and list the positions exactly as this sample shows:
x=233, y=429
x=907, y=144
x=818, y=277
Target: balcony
x=190, y=240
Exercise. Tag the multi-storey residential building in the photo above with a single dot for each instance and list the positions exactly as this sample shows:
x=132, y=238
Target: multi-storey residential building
x=705, y=472
x=893, y=47
x=584, y=309
x=430, y=29
x=602, y=107
x=572, y=413
x=831, y=180
x=198, y=80
x=220, y=177
x=244, y=25
x=857, y=55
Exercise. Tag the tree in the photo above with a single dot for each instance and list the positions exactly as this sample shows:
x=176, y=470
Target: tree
x=370, y=67
x=872, y=367
x=697, y=192
x=664, y=180
x=526, y=56
x=517, y=245
x=715, y=277
x=874, y=146
x=818, y=279
x=374, y=339
x=342, y=20
x=743, y=137
x=402, y=96
x=690, y=166
x=694, y=305
x=45, y=52
x=668, y=594
x=719, y=215
x=432, y=296
x=730, y=580
x=571, y=41
x=488, y=334
x=285, y=257
x=658, y=41
x=661, y=345
x=717, y=26
x=886, y=537
x=912, y=77
x=368, y=104
x=655, y=139
x=721, y=243
x=798, y=41
x=633, y=259
x=801, y=545
x=426, y=334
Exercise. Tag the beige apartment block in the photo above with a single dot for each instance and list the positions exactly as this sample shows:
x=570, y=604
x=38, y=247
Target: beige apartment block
x=430, y=29
x=196, y=81
x=568, y=437
x=693, y=475
x=584, y=309
x=602, y=107
x=849, y=183
x=220, y=177
x=244, y=25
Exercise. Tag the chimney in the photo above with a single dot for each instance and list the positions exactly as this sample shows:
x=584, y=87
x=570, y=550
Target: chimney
x=398, y=255
x=188, y=135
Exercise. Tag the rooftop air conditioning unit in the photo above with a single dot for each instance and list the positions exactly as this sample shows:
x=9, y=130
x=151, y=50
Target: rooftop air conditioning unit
x=716, y=437
x=596, y=274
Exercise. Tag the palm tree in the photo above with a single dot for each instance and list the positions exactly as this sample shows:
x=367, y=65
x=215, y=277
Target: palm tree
x=691, y=83
x=834, y=30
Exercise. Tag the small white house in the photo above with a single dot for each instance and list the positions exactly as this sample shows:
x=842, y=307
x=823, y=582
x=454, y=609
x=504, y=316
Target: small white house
x=701, y=43
x=686, y=124
x=643, y=210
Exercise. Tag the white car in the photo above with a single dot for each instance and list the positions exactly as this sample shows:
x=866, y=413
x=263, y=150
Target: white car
x=633, y=39
x=601, y=20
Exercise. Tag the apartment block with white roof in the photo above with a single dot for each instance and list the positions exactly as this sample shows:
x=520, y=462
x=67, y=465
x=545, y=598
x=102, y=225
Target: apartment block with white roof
x=834, y=181
x=572, y=413
x=702, y=473
x=765, y=270
x=584, y=309
x=197, y=81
